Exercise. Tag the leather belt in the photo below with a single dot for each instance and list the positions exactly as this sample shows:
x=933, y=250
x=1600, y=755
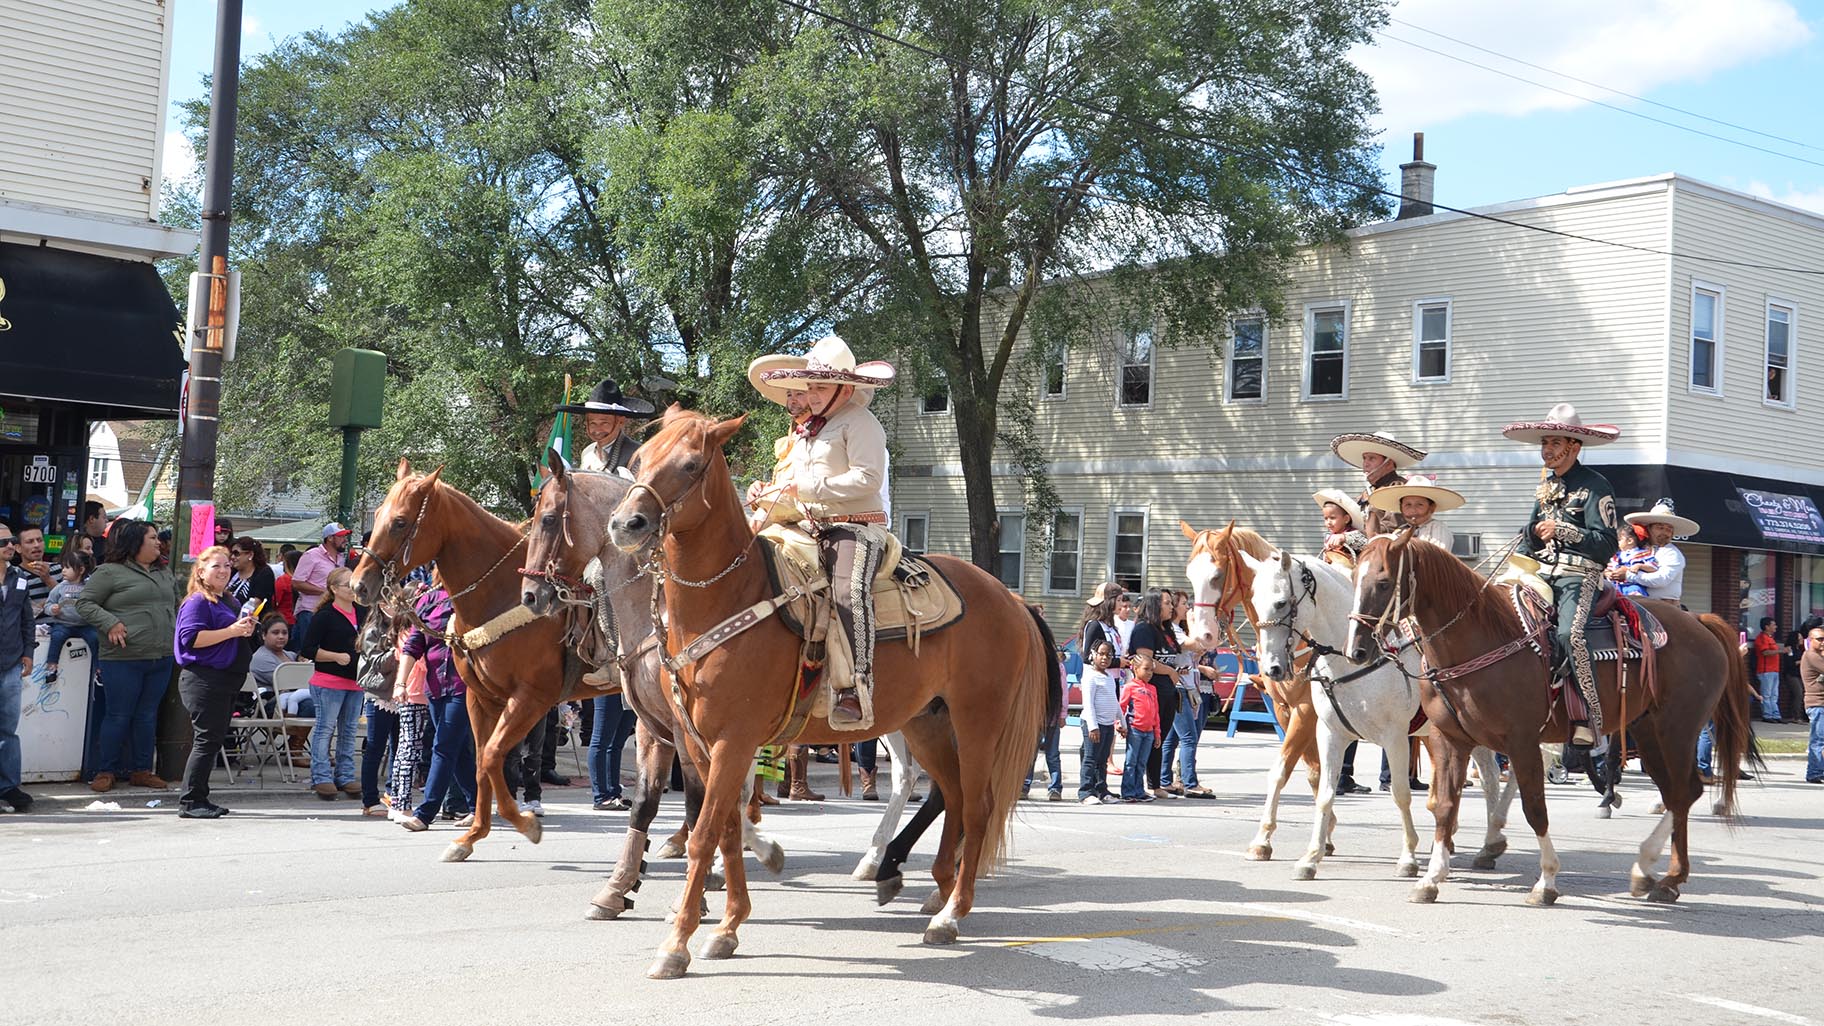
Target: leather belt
x=875, y=517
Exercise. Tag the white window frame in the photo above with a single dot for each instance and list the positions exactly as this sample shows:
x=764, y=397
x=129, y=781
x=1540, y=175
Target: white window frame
x=1152, y=367
x=1418, y=328
x=905, y=519
x=1228, y=363
x=1311, y=312
x=1051, y=548
x=1722, y=299
x=1792, y=352
x=926, y=411
x=100, y=469
x=1146, y=530
x=1000, y=542
x=1063, y=363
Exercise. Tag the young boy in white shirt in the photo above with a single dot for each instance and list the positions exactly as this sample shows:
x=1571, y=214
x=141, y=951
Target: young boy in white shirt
x=1100, y=711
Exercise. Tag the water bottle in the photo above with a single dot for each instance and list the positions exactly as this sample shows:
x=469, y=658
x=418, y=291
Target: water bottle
x=248, y=607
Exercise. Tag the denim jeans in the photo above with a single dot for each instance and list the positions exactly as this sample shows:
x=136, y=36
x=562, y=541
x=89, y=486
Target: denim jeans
x=62, y=632
x=1770, y=695
x=1814, y=746
x=613, y=723
x=12, y=690
x=297, y=628
x=1048, y=745
x=867, y=754
x=1092, y=776
x=340, y=711
x=452, y=756
x=1181, y=742
x=1706, y=743
x=382, y=735
x=129, y=727
x=1133, y=771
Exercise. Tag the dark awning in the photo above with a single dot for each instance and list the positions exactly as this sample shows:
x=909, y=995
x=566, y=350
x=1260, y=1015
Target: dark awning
x=1716, y=501
x=88, y=329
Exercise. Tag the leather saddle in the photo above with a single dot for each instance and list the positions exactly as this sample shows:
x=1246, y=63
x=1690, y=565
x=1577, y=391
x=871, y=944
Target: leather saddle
x=912, y=597
x=1600, y=634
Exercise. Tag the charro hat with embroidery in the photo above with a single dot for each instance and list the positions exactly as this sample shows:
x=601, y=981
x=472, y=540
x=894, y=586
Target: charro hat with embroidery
x=1350, y=448
x=1561, y=422
x=1442, y=499
x=606, y=397
x=829, y=362
x=1663, y=513
x=1342, y=501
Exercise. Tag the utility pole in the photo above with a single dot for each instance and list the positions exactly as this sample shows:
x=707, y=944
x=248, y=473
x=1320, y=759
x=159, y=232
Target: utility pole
x=196, y=468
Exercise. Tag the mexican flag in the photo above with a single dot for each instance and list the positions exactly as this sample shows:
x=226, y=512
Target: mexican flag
x=559, y=440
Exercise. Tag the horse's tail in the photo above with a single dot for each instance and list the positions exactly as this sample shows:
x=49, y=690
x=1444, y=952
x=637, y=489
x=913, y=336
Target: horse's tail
x=1732, y=720
x=1038, y=696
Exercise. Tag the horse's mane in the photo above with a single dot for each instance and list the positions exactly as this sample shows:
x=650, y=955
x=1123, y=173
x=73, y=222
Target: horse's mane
x=1444, y=579
x=1246, y=540
x=467, y=502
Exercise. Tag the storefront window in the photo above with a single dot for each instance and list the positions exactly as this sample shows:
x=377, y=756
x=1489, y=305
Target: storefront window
x=1758, y=590
x=1811, y=587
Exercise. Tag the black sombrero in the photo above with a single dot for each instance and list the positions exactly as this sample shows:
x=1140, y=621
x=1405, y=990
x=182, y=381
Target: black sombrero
x=607, y=398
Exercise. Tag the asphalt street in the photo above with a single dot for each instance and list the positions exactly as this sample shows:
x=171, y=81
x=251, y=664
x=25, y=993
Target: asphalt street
x=296, y=911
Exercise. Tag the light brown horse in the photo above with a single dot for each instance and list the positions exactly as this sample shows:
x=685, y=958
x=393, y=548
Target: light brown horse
x=994, y=673
x=1507, y=705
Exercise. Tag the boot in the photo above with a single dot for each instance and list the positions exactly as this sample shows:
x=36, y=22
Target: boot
x=799, y=769
x=846, y=709
x=601, y=677
x=760, y=791
x=869, y=791
x=784, y=789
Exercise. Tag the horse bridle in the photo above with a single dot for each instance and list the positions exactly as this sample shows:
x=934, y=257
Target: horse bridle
x=1307, y=590
x=390, y=570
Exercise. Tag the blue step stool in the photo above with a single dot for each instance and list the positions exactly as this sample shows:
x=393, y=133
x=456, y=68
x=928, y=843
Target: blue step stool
x=1230, y=664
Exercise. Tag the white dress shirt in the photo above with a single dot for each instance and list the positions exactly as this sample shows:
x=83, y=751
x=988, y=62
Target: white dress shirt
x=1667, y=582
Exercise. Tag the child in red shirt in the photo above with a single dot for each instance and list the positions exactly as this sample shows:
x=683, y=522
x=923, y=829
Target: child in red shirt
x=1139, y=724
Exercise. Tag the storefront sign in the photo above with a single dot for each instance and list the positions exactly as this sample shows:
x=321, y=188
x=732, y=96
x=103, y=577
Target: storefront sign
x=40, y=471
x=1784, y=517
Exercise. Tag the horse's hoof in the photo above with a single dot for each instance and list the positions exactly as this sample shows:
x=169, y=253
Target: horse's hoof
x=719, y=945
x=1485, y=859
x=672, y=849
x=943, y=933
x=534, y=829
x=1411, y=869
x=1260, y=853
x=715, y=882
x=888, y=889
x=457, y=852
x=1663, y=894
x=1423, y=894
x=933, y=903
x=1304, y=871
x=771, y=857
x=1602, y=812
x=1542, y=898
x=866, y=869
x=1719, y=809
x=603, y=913
x=1483, y=862
x=1329, y=849
x=669, y=966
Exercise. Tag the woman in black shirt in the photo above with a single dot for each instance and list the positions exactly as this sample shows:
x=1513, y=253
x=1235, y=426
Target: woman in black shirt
x=252, y=578
x=1106, y=603
x=1152, y=640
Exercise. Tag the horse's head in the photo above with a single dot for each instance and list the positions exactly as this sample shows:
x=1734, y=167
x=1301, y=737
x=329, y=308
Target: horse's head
x=1276, y=604
x=569, y=528
x=670, y=491
x=1207, y=571
x=404, y=536
x=1383, y=591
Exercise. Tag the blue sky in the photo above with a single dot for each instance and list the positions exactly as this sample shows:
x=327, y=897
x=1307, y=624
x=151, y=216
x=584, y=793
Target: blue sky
x=1493, y=138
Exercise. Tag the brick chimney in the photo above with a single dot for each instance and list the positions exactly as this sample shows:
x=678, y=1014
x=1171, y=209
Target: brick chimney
x=1416, y=181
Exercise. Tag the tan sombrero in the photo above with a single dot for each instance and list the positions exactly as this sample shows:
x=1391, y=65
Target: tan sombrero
x=1561, y=422
x=829, y=362
x=1662, y=513
x=1350, y=448
x=1342, y=501
x=1388, y=498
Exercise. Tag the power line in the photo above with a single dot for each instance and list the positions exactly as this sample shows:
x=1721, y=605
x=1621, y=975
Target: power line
x=1608, y=89
x=1600, y=103
x=1284, y=165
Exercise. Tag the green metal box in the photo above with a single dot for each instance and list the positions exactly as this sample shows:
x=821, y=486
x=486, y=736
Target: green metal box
x=357, y=388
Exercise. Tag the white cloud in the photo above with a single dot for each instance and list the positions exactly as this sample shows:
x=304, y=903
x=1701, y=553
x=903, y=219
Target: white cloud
x=1791, y=195
x=180, y=159
x=1632, y=45
x=251, y=26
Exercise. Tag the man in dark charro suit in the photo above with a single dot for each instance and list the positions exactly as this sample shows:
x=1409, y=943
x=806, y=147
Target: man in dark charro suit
x=1380, y=458
x=1572, y=533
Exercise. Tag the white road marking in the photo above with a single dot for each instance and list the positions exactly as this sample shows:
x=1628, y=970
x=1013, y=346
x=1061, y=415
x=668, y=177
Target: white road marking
x=1737, y=1006
x=1111, y=954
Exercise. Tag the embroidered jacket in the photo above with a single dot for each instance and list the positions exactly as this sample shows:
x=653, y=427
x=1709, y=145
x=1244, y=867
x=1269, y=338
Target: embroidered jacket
x=1582, y=504
x=1376, y=522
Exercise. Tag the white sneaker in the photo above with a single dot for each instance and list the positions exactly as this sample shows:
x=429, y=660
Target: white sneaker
x=535, y=807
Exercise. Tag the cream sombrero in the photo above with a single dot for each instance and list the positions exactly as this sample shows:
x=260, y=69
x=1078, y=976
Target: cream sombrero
x=1562, y=422
x=1388, y=498
x=1662, y=513
x=828, y=362
x=1342, y=501
x=1352, y=447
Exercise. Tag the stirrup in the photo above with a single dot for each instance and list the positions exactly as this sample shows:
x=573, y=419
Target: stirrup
x=1582, y=736
x=845, y=708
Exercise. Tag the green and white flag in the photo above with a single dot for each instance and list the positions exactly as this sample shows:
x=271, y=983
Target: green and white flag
x=559, y=440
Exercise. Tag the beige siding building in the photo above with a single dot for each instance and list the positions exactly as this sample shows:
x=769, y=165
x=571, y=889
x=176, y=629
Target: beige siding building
x=1439, y=329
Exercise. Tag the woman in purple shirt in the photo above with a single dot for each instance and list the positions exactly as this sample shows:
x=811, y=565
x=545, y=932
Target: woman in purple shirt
x=213, y=652
x=452, y=743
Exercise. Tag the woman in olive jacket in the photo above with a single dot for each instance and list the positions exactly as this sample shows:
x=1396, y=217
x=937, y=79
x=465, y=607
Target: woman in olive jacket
x=134, y=608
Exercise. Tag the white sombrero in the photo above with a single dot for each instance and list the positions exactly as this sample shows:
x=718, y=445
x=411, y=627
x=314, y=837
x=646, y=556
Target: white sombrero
x=1342, y=501
x=1662, y=513
x=829, y=362
x=1561, y=422
x=1388, y=498
x=1353, y=446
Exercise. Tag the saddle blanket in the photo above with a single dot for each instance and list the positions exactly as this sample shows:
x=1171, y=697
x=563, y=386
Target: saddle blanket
x=912, y=597
x=1599, y=633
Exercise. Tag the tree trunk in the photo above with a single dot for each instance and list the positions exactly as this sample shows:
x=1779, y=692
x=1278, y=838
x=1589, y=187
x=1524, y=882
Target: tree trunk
x=975, y=425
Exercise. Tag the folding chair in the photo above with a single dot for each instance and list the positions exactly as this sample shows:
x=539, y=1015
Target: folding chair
x=286, y=678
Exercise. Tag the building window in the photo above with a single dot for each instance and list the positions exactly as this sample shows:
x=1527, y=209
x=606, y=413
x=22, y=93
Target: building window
x=1010, y=556
x=1707, y=338
x=1137, y=369
x=1127, y=548
x=913, y=529
x=937, y=398
x=99, y=472
x=1782, y=319
x=1431, y=341
x=1247, y=359
x=1064, y=556
x=1759, y=596
x=1056, y=353
x=1327, y=352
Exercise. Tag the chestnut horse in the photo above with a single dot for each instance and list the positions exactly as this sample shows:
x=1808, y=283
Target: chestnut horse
x=1507, y=704
x=971, y=702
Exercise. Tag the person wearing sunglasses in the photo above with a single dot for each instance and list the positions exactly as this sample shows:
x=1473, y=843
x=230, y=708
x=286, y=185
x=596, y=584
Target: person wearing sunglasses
x=16, y=643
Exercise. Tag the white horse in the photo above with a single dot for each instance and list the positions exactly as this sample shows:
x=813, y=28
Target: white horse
x=1304, y=599
x=905, y=777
